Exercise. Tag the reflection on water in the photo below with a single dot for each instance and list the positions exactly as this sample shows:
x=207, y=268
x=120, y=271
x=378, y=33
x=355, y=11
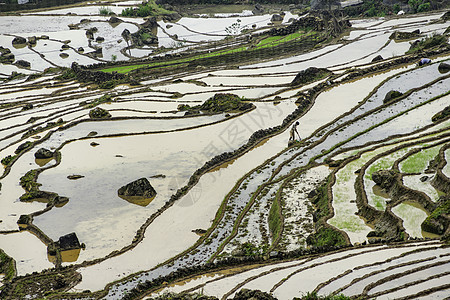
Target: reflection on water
x=68, y=256
x=138, y=200
x=379, y=191
x=42, y=162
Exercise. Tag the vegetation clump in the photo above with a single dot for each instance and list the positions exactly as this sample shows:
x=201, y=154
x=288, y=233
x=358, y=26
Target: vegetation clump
x=392, y=95
x=145, y=9
x=6, y=57
x=326, y=236
x=250, y=250
x=438, y=221
x=7, y=266
x=418, y=6
x=220, y=103
x=105, y=11
x=433, y=41
x=310, y=75
x=8, y=159
x=23, y=147
x=314, y=296
x=99, y=113
x=41, y=286
x=28, y=181
x=445, y=113
x=67, y=74
x=110, y=84
x=103, y=99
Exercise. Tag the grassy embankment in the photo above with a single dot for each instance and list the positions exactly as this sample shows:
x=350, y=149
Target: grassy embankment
x=267, y=42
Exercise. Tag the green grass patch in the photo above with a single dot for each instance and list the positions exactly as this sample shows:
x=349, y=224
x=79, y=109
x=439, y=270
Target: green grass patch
x=273, y=41
x=266, y=43
x=416, y=163
x=326, y=236
x=275, y=222
x=7, y=266
x=321, y=200
x=347, y=223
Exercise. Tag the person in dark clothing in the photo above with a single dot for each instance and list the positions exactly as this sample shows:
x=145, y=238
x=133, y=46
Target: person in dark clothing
x=293, y=132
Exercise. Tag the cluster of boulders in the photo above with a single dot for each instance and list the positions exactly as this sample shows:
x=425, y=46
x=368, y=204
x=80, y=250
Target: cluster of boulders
x=31, y=41
x=90, y=32
x=33, y=131
x=144, y=36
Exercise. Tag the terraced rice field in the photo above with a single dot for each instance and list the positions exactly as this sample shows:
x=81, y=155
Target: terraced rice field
x=355, y=206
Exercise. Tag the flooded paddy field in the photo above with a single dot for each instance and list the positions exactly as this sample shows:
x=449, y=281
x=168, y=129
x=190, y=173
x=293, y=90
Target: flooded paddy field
x=234, y=203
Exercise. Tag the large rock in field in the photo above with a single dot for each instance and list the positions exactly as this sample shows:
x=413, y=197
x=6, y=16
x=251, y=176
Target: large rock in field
x=377, y=58
x=69, y=242
x=22, y=64
x=114, y=20
x=140, y=188
x=276, y=18
x=384, y=178
x=258, y=10
x=391, y=95
x=444, y=67
x=173, y=17
x=19, y=41
x=43, y=154
x=310, y=75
